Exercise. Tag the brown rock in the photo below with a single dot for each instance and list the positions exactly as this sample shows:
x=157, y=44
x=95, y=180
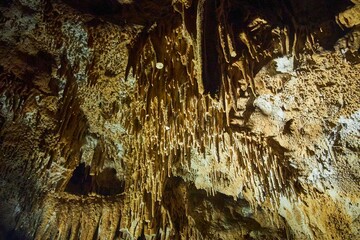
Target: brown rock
x=179, y=119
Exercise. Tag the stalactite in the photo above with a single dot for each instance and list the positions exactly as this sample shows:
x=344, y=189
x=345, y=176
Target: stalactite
x=180, y=121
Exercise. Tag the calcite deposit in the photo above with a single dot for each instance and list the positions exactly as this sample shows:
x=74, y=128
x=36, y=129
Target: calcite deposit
x=181, y=119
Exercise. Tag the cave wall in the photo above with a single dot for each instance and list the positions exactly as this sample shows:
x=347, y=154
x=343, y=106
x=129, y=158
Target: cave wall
x=179, y=119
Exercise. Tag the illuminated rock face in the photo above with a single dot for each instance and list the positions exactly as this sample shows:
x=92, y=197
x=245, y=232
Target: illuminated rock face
x=179, y=119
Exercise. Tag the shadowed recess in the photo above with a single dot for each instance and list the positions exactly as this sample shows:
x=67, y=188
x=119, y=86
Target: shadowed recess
x=105, y=183
x=210, y=45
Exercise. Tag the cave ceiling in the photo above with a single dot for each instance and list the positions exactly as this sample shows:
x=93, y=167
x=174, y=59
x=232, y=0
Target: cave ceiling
x=182, y=119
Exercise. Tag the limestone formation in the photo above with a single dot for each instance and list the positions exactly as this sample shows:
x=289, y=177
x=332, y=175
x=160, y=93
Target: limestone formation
x=182, y=119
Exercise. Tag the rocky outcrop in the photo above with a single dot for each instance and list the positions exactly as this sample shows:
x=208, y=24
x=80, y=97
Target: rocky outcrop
x=179, y=119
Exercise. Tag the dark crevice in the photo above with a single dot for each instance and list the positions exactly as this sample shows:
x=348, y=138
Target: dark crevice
x=15, y=235
x=124, y=12
x=105, y=183
x=211, y=67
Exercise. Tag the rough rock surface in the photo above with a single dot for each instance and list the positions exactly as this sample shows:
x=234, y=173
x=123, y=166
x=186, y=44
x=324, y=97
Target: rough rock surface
x=179, y=119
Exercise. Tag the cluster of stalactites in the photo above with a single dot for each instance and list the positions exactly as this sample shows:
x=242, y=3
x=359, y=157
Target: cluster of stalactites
x=171, y=123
